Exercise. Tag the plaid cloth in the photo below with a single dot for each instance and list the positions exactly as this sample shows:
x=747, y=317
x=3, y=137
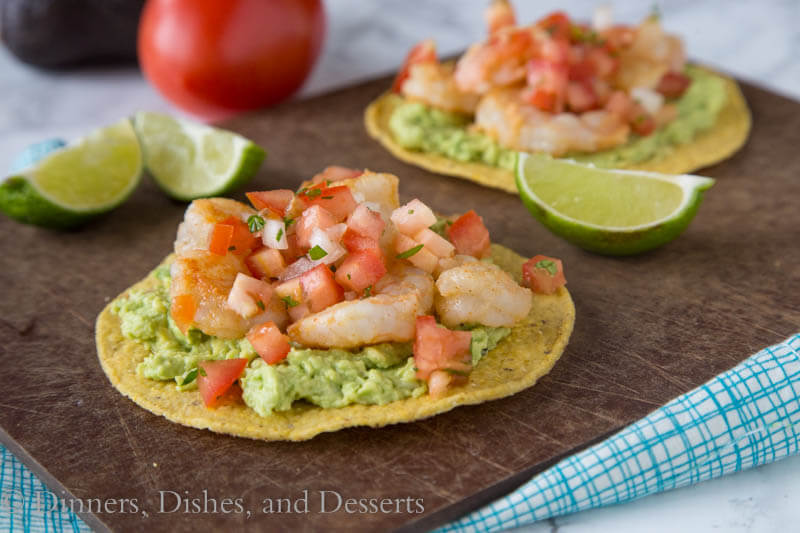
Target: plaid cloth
x=747, y=416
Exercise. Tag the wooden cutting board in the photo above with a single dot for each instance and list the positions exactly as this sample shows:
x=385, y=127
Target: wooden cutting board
x=648, y=329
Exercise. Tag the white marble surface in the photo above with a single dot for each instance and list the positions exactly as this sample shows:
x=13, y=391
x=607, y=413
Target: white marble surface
x=758, y=41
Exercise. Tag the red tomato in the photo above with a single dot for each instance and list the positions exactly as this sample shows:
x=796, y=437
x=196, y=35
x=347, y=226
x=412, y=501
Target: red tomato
x=266, y=263
x=338, y=200
x=294, y=251
x=221, y=236
x=216, y=377
x=320, y=290
x=360, y=270
x=422, y=52
x=469, y=235
x=269, y=342
x=183, y=309
x=214, y=59
x=543, y=274
x=548, y=84
x=354, y=242
x=277, y=200
x=642, y=123
x=242, y=241
x=673, y=84
x=366, y=222
x=556, y=24
x=438, y=348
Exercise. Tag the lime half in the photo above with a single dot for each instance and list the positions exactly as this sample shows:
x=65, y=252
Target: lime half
x=69, y=186
x=190, y=160
x=614, y=212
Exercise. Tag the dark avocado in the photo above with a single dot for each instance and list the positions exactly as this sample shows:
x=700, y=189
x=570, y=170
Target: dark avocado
x=58, y=33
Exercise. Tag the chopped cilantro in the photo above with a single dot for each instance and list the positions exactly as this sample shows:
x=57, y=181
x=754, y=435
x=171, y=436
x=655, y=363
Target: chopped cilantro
x=313, y=193
x=231, y=248
x=261, y=305
x=279, y=234
x=411, y=251
x=255, y=223
x=326, y=197
x=368, y=292
x=317, y=252
x=289, y=301
x=191, y=376
x=288, y=221
x=546, y=264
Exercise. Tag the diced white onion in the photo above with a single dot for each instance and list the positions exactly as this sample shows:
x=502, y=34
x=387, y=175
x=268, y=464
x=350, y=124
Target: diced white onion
x=334, y=250
x=297, y=268
x=274, y=234
x=649, y=99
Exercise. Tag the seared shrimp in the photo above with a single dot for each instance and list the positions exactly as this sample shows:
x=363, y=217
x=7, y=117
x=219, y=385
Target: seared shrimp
x=433, y=84
x=389, y=316
x=514, y=123
x=195, y=230
x=499, y=62
x=499, y=15
x=480, y=293
x=208, y=279
x=652, y=54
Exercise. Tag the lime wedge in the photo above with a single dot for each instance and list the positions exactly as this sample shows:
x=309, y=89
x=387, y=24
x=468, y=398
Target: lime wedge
x=613, y=212
x=69, y=186
x=190, y=160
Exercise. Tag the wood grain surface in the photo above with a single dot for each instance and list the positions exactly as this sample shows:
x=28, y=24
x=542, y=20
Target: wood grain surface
x=648, y=329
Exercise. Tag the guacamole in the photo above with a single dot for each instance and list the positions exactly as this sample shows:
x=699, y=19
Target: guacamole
x=376, y=374
x=418, y=127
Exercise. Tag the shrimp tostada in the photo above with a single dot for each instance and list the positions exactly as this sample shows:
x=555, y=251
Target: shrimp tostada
x=612, y=95
x=330, y=307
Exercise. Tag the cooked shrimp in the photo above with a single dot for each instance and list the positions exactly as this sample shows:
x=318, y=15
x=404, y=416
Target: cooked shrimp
x=498, y=62
x=433, y=84
x=389, y=316
x=652, y=54
x=499, y=15
x=480, y=293
x=516, y=124
x=195, y=230
x=208, y=278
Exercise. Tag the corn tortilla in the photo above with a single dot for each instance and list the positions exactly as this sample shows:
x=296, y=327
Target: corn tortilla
x=528, y=353
x=711, y=146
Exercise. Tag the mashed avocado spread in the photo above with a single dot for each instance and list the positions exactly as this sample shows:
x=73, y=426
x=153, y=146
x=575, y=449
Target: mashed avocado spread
x=376, y=374
x=418, y=127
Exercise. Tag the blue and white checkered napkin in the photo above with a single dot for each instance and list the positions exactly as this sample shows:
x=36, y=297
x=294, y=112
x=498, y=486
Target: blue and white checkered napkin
x=748, y=416
x=745, y=417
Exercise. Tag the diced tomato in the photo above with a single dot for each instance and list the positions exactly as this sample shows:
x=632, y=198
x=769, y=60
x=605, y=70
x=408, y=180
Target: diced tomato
x=354, y=242
x=580, y=97
x=412, y=217
x=294, y=250
x=469, y=235
x=313, y=217
x=277, y=200
x=336, y=173
x=557, y=24
x=221, y=237
x=673, y=84
x=556, y=50
x=435, y=243
x=266, y=263
x=182, y=309
x=290, y=291
x=547, y=85
x=216, y=377
x=337, y=200
x=438, y=348
x=360, y=270
x=421, y=258
x=618, y=37
x=249, y=296
x=320, y=290
x=543, y=274
x=366, y=222
x=422, y=52
x=269, y=342
x=242, y=241
x=603, y=64
x=620, y=104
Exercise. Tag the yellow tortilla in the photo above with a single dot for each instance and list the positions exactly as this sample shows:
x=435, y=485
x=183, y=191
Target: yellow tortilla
x=528, y=353
x=711, y=146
